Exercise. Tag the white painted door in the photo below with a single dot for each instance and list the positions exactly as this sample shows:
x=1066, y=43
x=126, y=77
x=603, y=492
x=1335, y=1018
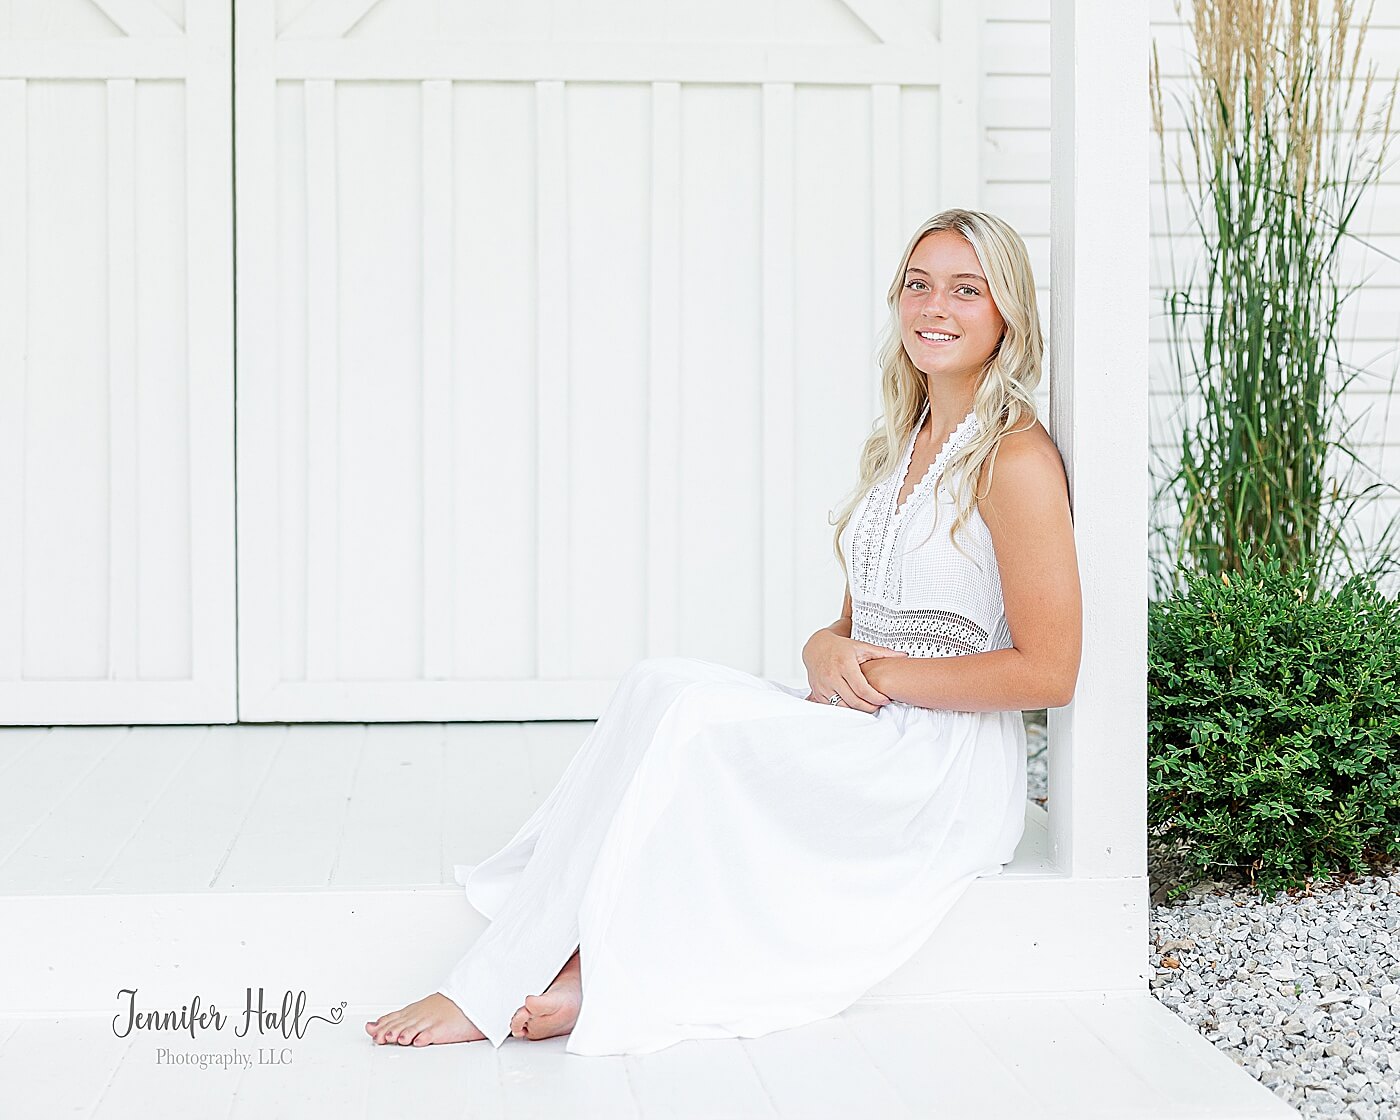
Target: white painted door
x=116, y=363
x=556, y=333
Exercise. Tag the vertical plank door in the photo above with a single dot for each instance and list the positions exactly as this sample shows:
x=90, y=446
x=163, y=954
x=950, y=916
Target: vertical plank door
x=557, y=331
x=117, y=601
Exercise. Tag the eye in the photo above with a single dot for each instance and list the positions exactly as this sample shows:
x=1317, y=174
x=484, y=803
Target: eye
x=921, y=285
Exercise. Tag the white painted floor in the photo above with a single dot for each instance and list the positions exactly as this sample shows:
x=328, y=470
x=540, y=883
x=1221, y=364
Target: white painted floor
x=142, y=847
x=1003, y=1059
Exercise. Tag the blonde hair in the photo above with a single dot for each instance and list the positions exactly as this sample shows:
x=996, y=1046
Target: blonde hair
x=1003, y=394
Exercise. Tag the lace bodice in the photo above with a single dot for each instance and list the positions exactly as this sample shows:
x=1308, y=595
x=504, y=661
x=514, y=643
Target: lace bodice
x=911, y=590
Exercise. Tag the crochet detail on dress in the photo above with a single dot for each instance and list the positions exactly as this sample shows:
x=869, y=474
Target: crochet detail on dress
x=900, y=518
x=877, y=524
x=919, y=633
x=911, y=589
x=956, y=439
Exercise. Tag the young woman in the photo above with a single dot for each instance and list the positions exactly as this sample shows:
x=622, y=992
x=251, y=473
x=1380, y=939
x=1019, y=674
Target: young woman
x=727, y=856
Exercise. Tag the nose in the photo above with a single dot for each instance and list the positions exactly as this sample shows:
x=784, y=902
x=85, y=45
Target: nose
x=934, y=306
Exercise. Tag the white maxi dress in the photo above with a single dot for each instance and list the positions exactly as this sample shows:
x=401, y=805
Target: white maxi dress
x=730, y=858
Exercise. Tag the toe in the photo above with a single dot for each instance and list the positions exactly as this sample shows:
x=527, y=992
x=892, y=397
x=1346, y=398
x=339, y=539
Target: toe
x=541, y=1027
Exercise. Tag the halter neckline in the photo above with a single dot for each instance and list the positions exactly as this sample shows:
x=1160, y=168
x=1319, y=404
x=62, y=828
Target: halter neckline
x=934, y=468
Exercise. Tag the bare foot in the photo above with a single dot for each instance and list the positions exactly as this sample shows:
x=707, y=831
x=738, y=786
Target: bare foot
x=556, y=1011
x=434, y=1018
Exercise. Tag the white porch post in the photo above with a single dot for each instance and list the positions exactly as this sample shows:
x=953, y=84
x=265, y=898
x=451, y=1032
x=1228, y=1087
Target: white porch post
x=1098, y=416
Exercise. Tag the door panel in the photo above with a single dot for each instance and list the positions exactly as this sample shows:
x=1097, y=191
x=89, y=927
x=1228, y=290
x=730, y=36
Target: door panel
x=556, y=333
x=116, y=363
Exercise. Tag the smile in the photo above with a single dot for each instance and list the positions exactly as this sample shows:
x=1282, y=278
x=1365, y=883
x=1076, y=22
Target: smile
x=936, y=338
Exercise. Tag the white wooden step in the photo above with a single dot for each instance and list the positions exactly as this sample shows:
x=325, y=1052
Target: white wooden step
x=319, y=857
x=315, y=861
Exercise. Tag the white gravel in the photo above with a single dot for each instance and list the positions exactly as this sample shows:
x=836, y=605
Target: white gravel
x=1301, y=991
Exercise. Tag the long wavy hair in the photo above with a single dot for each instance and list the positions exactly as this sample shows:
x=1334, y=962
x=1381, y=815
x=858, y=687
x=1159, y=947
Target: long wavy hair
x=1003, y=395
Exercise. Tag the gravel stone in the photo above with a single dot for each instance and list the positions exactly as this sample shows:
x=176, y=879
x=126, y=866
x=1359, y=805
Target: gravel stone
x=1299, y=990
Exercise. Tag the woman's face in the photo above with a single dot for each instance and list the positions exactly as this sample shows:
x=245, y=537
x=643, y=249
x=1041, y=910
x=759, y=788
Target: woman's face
x=945, y=291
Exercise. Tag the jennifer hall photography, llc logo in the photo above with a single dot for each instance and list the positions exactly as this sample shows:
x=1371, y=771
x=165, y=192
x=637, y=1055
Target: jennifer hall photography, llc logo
x=289, y=1020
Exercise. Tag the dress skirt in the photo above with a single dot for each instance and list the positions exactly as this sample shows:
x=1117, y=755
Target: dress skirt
x=731, y=859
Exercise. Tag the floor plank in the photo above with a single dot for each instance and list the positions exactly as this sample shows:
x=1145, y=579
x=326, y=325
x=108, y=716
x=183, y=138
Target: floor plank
x=821, y=1070
x=385, y=841
x=294, y=827
x=54, y=773
x=183, y=839
x=1148, y=1039
x=928, y=1051
x=52, y=1067
x=699, y=1078
x=542, y=1079
x=486, y=792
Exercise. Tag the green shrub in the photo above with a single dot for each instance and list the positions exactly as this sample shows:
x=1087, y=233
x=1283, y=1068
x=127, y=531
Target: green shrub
x=1274, y=724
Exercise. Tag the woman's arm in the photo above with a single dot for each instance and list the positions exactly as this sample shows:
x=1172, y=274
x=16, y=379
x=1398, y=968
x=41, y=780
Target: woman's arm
x=842, y=626
x=1027, y=511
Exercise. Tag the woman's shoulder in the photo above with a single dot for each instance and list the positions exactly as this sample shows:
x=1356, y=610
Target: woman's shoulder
x=1025, y=458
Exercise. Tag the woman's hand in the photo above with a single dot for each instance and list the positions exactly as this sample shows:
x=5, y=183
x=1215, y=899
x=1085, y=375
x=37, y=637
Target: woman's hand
x=834, y=667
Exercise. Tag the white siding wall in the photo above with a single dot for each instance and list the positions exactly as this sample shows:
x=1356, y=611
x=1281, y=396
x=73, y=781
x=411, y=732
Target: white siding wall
x=1016, y=167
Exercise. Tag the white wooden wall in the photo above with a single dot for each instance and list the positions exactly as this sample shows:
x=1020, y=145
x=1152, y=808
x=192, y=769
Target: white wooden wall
x=116, y=363
x=600, y=339
x=556, y=333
